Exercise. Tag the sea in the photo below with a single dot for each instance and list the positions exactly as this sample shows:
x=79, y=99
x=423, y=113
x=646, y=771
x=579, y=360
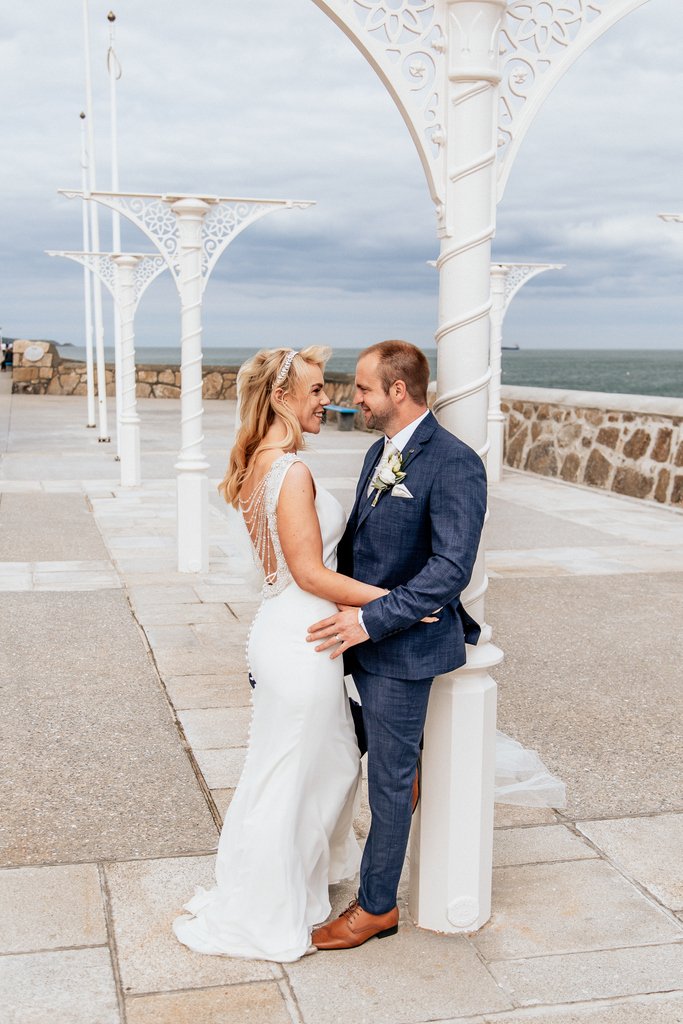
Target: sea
x=625, y=371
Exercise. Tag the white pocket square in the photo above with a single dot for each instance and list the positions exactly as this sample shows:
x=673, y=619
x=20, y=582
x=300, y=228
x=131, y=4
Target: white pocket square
x=400, y=491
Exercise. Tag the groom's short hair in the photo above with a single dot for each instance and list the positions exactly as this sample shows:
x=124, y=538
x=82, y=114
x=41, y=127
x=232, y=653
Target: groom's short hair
x=399, y=360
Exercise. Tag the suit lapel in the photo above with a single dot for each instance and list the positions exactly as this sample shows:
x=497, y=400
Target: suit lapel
x=371, y=459
x=414, y=447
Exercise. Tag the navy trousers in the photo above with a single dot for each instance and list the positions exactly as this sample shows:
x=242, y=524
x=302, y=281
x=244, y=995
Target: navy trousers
x=393, y=718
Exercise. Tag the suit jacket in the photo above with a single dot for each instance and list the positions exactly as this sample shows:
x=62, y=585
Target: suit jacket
x=423, y=550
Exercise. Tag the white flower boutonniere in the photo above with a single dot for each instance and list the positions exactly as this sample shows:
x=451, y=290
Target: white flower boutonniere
x=388, y=474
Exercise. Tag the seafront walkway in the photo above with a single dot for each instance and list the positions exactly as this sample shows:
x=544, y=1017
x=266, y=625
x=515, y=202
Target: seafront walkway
x=124, y=719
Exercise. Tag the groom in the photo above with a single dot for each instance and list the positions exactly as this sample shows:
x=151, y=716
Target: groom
x=414, y=529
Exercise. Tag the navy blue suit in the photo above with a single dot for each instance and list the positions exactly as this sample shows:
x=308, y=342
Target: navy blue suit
x=423, y=550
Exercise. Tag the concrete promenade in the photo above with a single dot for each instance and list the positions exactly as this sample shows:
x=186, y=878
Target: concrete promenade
x=125, y=710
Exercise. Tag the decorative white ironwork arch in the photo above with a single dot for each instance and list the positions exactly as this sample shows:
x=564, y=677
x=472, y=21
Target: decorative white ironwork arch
x=405, y=42
x=539, y=41
x=127, y=276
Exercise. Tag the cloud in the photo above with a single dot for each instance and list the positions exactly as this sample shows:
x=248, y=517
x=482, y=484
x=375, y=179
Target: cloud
x=273, y=100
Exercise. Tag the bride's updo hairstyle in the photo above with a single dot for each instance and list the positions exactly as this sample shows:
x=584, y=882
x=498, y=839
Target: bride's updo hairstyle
x=262, y=383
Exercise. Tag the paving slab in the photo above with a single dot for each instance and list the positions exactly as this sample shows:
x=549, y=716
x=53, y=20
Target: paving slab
x=575, y=906
x=185, y=614
x=218, y=691
x=395, y=980
x=92, y=764
x=74, y=986
x=202, y=660
x=656, y=1009
x=597, y=975
x=151, y=596
x=648, y=849
x=146, y=896
x=49, y=907
x=536, y=845
x=216, y=728
x=505, y=528
x=259, y=1002
x=590, y=680
x=221, y=768
x=48, y=527
x=509, y=815
x=222, y=799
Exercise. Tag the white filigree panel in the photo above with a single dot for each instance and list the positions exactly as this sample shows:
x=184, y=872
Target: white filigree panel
x=539, y=40
x=518, y=274
x=146, y=271
x=147, y=268
x=224, y=219
x=404, y=40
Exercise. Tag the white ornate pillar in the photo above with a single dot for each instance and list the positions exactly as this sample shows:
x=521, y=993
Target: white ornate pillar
x=193, y=494
x=126, y=276
x=191, y=232
x=494, y=461
x=506, y=281
x=451, y=870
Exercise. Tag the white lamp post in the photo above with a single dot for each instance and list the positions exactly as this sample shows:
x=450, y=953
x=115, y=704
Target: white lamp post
x=191, y=232
x=467, y=77
x=506, y=281
x=127, y=276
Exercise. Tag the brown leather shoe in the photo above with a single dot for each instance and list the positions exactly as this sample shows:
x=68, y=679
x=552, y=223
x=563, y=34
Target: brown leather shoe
x=354, y=927
x=417, y=788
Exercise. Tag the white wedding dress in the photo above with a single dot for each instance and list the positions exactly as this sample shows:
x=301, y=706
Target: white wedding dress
x=288, y=831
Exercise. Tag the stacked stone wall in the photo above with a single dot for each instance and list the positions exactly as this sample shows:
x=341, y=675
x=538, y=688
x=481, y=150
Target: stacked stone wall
x=50, y=374
x=627, y=444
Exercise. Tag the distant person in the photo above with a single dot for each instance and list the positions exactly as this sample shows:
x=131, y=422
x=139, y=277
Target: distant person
x=8, y=359
x=3, y=352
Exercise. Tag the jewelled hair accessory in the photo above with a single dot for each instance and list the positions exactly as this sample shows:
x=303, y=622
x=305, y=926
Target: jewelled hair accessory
x=281, y=376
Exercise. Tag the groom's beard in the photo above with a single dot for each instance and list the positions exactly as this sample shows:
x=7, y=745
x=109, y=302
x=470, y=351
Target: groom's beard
x=381, y=419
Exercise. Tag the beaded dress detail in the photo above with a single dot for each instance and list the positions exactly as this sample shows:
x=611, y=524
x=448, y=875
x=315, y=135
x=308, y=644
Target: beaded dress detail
x=259, y=512
x=288, y=831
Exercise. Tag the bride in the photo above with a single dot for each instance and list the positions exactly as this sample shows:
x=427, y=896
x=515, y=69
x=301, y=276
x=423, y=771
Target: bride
x=288, y=832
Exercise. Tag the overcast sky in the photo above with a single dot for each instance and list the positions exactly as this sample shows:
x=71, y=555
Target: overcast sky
x=268, y=98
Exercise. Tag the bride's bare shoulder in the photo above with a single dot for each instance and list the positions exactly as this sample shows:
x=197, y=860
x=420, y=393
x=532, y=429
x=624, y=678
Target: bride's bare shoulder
x=298, y=482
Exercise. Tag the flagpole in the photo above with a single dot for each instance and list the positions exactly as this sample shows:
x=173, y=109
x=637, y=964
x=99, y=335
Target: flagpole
x=87, y=282
x=114, y=70
x=94, y=237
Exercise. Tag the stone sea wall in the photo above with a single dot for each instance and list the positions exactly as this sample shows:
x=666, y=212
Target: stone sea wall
x=44, y=372
x=627, y=444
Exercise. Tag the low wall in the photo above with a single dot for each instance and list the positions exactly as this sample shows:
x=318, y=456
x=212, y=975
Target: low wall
x=45, y=372
x=627, y=444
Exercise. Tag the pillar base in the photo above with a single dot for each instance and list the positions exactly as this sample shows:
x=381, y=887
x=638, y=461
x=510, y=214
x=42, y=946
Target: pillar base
x=193, y=516
x=494, y=457
x=452, y=834
x=130, y=453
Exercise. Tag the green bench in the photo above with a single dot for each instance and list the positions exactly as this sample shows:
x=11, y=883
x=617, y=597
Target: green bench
x=345, y=416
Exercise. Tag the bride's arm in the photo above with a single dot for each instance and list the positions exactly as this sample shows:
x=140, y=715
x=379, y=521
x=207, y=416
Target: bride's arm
x=302, y=545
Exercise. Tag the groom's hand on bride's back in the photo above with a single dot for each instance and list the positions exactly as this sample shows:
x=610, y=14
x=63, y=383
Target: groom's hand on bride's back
x=340, y=631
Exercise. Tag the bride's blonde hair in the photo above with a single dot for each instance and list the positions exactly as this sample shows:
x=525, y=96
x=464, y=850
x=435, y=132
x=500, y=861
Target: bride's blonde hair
x=260, y=392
